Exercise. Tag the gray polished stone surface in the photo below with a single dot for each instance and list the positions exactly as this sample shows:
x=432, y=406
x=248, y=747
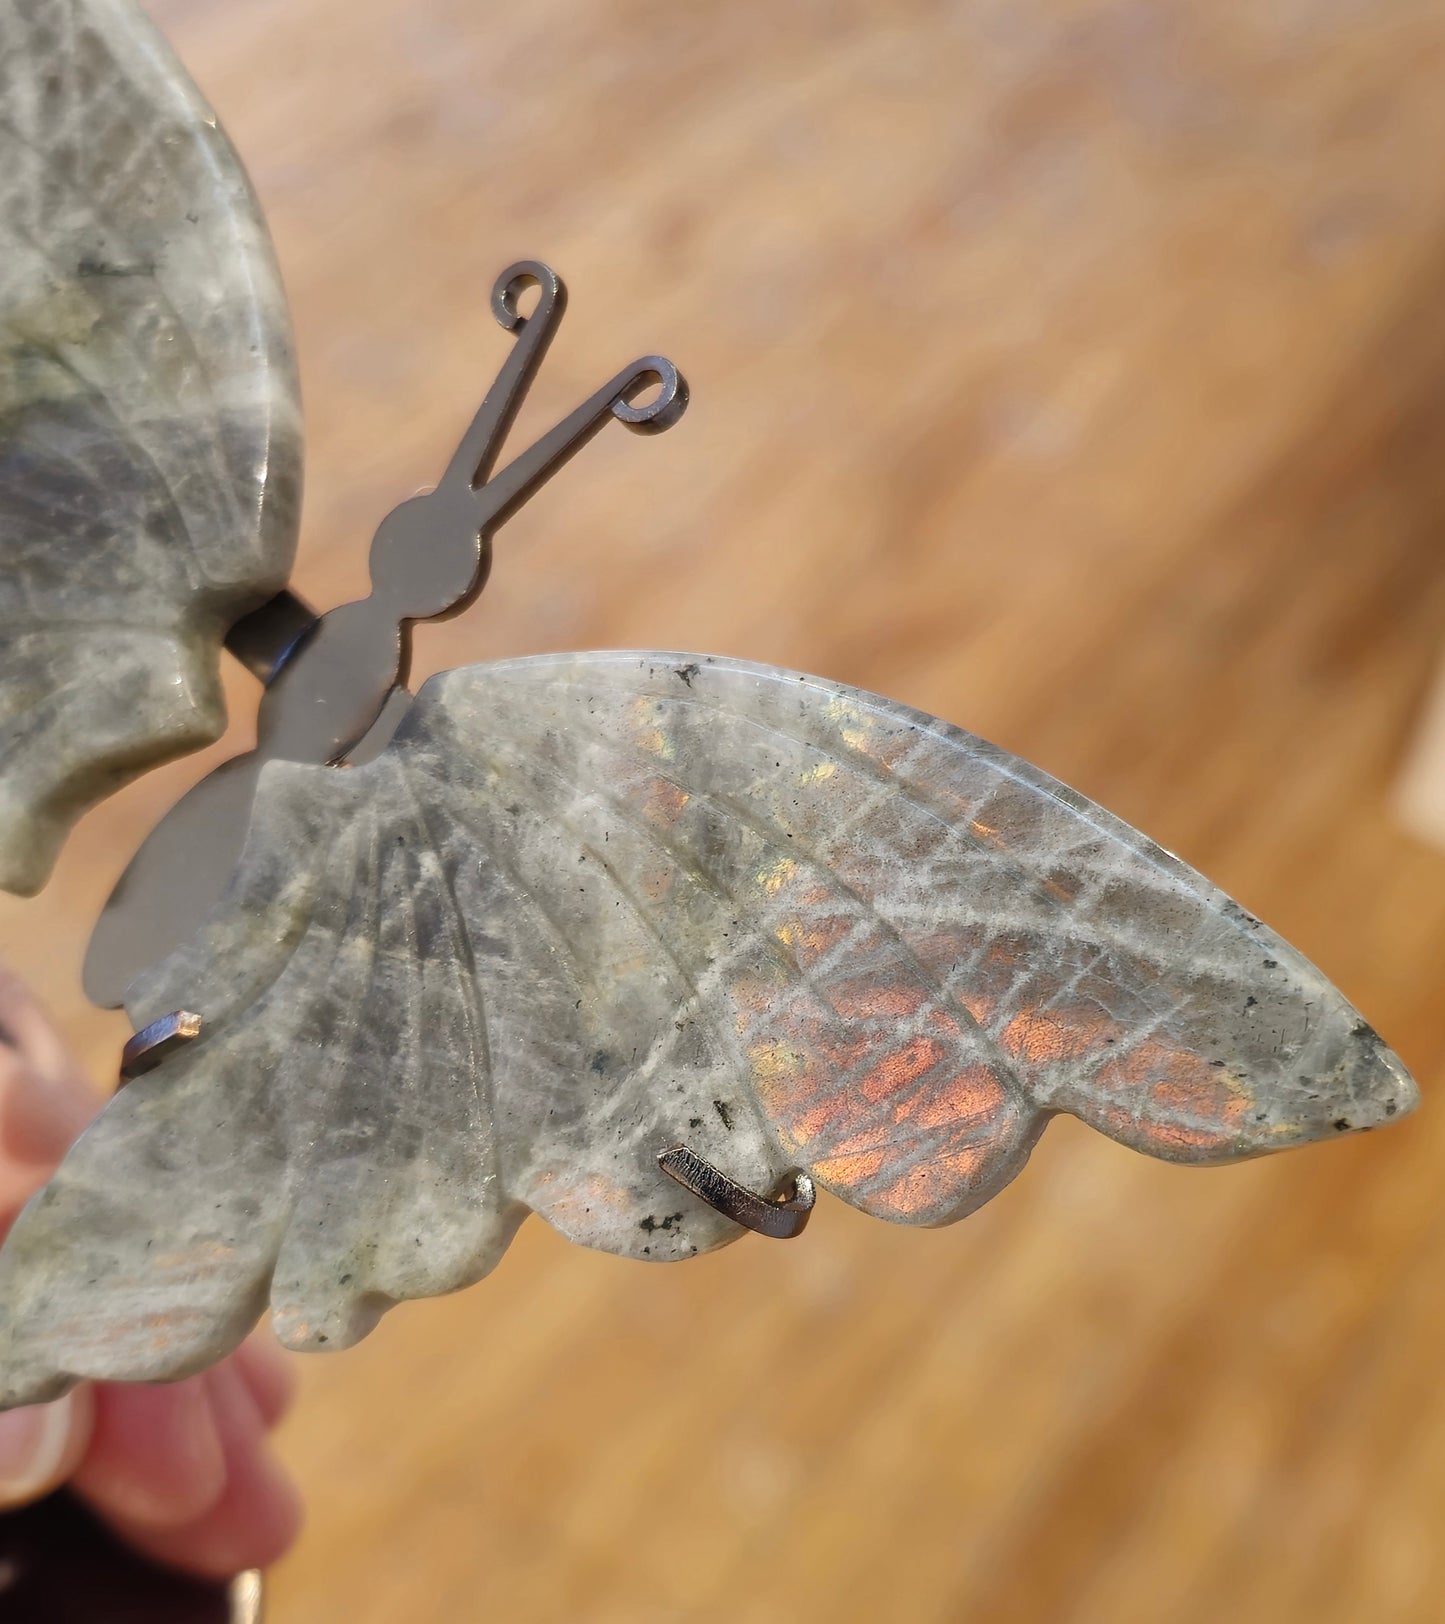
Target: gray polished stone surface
x=149, y=421
x=585, y=907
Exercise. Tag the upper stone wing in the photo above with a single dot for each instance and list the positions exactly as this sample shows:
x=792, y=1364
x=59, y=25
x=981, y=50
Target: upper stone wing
x=149, y=420
x=587, y=907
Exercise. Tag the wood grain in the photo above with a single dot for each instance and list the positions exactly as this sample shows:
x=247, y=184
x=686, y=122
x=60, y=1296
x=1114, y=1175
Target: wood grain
x=1075, y=371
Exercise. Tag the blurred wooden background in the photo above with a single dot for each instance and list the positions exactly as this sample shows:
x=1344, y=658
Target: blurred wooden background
x=1074, y=369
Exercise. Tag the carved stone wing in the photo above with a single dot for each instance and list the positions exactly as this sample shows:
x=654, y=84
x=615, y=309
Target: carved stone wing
x=149, y=422
x=586, y=907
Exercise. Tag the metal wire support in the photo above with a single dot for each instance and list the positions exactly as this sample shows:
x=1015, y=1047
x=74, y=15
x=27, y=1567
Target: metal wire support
x=153, y=1043
x=779, y=1216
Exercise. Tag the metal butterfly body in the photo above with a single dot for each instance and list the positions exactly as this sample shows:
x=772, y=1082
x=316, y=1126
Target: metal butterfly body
x=644, y=943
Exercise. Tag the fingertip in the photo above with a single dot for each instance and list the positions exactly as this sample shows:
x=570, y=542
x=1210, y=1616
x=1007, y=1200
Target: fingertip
x=254, y=1524
x=155, y=1456
x=258, y=1516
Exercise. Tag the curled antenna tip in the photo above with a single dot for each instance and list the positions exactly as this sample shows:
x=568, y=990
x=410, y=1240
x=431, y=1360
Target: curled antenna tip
x=514, y=281
x=664, y=409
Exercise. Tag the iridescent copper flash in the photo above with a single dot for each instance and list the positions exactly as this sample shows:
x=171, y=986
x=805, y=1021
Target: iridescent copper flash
x=587, y=912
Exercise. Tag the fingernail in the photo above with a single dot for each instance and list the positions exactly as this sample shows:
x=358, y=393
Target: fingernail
x=32, y=1446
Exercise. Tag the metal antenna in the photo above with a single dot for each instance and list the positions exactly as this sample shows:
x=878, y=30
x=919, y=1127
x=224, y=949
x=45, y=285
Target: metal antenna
x=328, y=678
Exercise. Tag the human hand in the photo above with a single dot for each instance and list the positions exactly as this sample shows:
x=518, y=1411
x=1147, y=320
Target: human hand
x=182, y=1471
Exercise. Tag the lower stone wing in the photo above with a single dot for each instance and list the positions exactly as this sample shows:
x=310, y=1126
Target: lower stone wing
x=587, y=907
